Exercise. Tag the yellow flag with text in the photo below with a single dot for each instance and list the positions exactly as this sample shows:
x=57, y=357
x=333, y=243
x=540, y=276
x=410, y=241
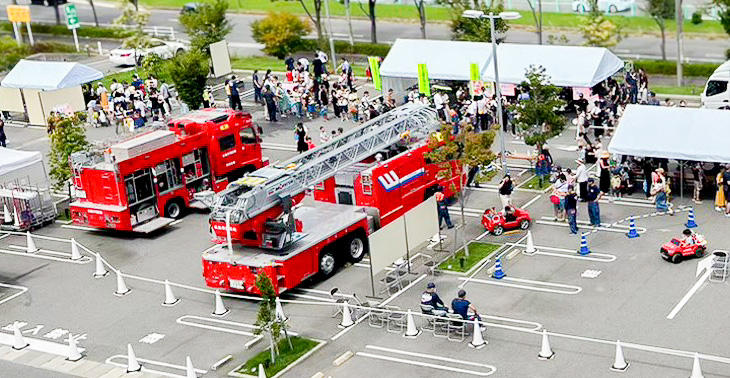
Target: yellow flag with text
x=424, y=86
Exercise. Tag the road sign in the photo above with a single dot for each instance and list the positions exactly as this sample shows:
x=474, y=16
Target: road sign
x=72, y=16
x=18, y=13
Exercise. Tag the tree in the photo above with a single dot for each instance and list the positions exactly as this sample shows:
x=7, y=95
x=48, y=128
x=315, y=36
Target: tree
x=421, y=7
x=723, y=11
x=598, y=30
x=371, y=16
x=189, y=71
x=281, y=33
x=207, y=24
x=470, y=148
x=93, y=10
x=138, y=19
x=316, y=18
x=537, y=16
x=474, y=29
x=536, y=116
x=661, y=11
x=266, y=319
x=68, y=136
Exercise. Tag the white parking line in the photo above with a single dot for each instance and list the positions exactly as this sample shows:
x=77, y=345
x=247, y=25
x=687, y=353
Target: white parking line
x=82, y=260
x=689, y=294
x=38, y=344
x=144, y=361
x=574, y=289
x=429, y=356
x=22, y=289
x=530, y=202
x=640, y=230
x=427, y=365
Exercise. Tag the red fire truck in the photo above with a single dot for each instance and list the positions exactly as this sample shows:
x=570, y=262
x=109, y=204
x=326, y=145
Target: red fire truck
x=265, y=224
x=144, y=183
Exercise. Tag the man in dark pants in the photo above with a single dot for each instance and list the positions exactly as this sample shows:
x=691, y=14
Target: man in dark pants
x=431, y=298
x=257, y=87
x=234, y=98
x=593, y=194
x=471, y=175
x=270, y=99
x=443, y=209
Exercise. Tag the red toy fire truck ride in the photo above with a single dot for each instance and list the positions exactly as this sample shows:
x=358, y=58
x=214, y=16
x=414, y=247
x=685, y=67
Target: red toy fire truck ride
x=144, y=183
x=266, y=225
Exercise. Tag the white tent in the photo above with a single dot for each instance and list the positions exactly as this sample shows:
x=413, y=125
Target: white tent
x=568, y=66
x=673, y=133
x=32, y=74
x=445, y=60
x=14, y=160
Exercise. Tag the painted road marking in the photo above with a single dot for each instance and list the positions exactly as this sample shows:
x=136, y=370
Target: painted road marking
x=640, y=230
x=569, y=253
x=176, y=222
x=256, y=338
x=39, y=345
x=431, y=357
x=82, y=228
x=51, y=252
x=152, y=338
x=22, y=289
x=82, y=260
x=530, y=202
x=572, y=288
x=590, y=273
x=704, y=264
x=144, y=362
x=428, y=365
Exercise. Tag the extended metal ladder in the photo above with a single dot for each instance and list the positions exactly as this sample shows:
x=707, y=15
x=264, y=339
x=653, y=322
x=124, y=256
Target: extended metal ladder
x=265, y=188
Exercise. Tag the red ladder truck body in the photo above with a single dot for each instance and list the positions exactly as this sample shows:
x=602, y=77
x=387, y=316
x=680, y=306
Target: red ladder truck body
x=143, y=183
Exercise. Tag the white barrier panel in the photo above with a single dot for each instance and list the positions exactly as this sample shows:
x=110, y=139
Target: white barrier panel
x=421, y=223
x=387, y=245
x=220, y=58
x=66, y=99
x=34, y=106
x=11, y=100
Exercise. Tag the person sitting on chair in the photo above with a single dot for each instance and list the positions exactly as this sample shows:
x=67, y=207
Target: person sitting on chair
x=463, y=307
x=431, y=298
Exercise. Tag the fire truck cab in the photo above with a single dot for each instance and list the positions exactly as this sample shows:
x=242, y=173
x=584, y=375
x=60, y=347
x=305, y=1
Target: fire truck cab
x=144, y=183
x=397, y=182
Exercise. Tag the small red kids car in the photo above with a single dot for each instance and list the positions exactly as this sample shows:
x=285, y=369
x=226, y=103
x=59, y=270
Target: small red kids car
x=675, y=250
x=497, y=221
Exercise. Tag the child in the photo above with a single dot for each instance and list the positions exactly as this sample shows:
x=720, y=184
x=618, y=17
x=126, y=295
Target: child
x=323, y=136
x=310, y=143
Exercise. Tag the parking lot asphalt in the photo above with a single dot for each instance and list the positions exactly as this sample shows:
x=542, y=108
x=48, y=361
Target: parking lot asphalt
x=623, y=291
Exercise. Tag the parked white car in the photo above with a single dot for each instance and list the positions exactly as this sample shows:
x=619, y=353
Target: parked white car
x=610, y=6
x=165, y=49
x=717, y=94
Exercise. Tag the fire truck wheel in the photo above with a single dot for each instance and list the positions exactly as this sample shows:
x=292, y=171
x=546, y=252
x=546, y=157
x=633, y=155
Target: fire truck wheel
x=498, y=230
x=173, y=209
x=327, y=263
x=356, y=249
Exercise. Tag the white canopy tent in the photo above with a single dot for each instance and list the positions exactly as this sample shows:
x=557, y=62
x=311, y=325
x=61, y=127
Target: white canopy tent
x=15, y=160
x=32, y=74
x=568, y=66
x=673, y=133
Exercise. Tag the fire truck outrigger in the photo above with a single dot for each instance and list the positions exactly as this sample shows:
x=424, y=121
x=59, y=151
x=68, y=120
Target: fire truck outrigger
x=144, y=183
x=265, y=225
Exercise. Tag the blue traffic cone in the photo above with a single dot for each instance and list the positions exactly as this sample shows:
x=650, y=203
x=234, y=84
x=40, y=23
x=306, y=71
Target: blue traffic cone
x=498, y=272
x=691, y=219
x=632, y=229
x=583, y=245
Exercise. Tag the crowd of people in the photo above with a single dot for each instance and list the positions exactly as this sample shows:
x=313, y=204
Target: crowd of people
x=128, y=105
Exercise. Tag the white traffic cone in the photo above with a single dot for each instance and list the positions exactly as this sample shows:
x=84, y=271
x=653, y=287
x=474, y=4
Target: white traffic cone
x=262, y=373
x=7, y=218
x=16, y=217
x=696, y=370
x=530, y=248
x=546, y=352
x=619, y=363
x=31, y=248
x=189, y=369
x=220, y=308
x=280, y=315
x=18, y=339
x=132, y=363
x=346, y=316
x=477, y=340
x=170, y=299
x=73, y=353
x=411, y=330
x=100, y=270
x=122, y=288
x=75, y=254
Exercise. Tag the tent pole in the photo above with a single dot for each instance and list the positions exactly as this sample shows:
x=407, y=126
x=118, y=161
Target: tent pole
x=681, y=179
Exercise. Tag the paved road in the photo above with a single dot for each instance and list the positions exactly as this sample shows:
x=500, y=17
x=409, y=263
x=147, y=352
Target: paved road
x=242, y=42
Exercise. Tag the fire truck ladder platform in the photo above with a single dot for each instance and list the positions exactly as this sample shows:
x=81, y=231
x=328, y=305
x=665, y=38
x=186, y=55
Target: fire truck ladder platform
x=270, y=184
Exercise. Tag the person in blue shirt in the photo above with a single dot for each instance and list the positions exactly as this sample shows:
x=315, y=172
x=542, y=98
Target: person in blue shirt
x=463, y=307
x=593, y=194
x=431, y=298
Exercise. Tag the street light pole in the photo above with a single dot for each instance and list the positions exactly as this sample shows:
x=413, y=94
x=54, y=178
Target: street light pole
x=498, y=91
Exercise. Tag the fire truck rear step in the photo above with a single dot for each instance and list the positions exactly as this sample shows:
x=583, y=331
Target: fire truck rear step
x=153, y=225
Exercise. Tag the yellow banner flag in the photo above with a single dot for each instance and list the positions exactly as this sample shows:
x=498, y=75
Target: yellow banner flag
x=424, y=86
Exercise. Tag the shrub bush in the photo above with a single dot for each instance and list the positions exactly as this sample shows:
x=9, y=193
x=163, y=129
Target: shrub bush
x=86, y=31
x=280, y=32
x=696, y=18
x=727, y=54
x=12, y=53
x=344, y=47
x=666, y=67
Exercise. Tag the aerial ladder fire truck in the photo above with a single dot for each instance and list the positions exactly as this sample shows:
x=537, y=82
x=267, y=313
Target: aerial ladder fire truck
x=264, y=225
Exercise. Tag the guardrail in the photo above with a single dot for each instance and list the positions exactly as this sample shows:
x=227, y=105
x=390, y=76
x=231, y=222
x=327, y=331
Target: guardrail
x=155, y=31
